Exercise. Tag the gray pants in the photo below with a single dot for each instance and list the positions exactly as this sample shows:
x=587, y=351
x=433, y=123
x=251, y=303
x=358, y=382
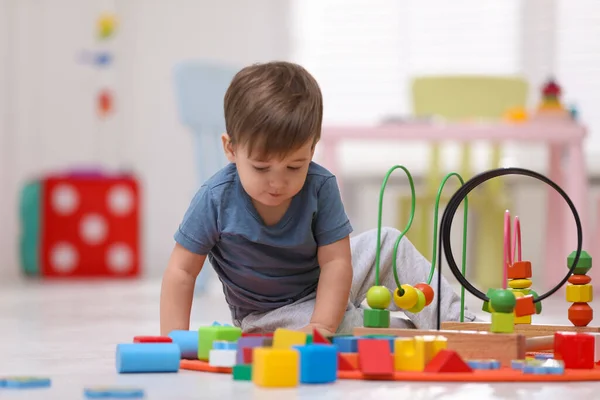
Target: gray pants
x=412, y=267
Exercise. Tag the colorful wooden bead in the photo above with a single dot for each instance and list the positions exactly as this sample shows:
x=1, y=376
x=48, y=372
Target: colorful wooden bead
x=502, y=322
x=580, y=279
x=379, y=297
x=503, y=301
x=584, y=264
x=427, y=291
x=519, y=283
x=524, y=305
x=420, y=305
x=580, y=314
x=406, y=300
x=579, y=293
x=520, y=270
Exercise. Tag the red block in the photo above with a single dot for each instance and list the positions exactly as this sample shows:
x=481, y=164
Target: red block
x=318, y=338
x=344, y=364
x=152, y=339
x=90, y=226
x=576, y=349
x=447, y=361
x=374, y=357
x=247, y=354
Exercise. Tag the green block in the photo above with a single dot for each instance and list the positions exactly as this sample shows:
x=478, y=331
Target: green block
x=584, y=264
x=242, y=372
x=30, y=214
x=502, y=323
x=208, y=334
x=309, y=338
x=376, y=318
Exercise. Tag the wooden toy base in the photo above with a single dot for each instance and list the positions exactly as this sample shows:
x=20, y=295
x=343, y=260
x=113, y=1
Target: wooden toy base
x=500, y=375
x=528, y=330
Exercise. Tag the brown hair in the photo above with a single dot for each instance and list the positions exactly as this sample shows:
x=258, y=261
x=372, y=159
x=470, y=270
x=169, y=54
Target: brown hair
x=273, y=108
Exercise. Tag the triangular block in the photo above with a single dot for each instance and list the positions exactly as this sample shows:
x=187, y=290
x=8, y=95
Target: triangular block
x=447, y=361
x=344, y=364
x=319, y=338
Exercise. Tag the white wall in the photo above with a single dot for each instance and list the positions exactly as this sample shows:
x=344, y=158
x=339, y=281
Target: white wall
x=48, y=119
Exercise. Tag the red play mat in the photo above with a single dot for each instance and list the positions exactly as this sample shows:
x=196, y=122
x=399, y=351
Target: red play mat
x=500, y=375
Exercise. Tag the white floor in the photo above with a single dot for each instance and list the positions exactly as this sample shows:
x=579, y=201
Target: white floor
x=68, y=332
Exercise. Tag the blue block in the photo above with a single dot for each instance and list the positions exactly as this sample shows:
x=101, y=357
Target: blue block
x=318, y=363
x=346, y=344
x=224, y=345
x=484, y=364
x=187, y=342
x=113, y=393
x=517, y=364
x=147, y=357
x=24, y=382
x=544, y=356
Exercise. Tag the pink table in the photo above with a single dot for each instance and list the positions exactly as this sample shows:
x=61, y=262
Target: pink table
x=567, y=168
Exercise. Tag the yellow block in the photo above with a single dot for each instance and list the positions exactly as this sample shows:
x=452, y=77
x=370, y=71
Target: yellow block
x=286, y=338
x=413, y=354
x=519, y=283
x=275, y=367
x=580, y=293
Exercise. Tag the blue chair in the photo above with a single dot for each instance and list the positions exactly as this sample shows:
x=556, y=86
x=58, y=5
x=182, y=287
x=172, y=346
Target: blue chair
x=199, y=89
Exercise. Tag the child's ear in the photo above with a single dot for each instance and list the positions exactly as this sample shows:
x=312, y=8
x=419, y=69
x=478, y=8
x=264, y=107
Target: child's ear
x=228, y=147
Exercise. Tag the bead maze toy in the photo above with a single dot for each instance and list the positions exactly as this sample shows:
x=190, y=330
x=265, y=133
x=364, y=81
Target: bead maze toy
x=509, y=349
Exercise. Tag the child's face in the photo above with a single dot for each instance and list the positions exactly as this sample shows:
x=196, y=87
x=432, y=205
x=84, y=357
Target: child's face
x=274, y=181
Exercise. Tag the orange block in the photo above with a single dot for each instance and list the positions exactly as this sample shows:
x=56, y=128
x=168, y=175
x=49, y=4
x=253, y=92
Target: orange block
x=520, y=270
x=524, y=306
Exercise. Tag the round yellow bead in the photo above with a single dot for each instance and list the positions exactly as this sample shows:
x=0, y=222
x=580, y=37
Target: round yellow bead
x=408, y=299
x=421, y=300
x=519, y=283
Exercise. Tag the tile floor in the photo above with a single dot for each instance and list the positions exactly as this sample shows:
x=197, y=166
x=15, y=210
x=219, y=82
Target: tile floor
x=68, y=332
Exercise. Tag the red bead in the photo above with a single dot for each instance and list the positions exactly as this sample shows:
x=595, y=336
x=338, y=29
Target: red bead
x=580, y=279
x=427, y=291
x=519, y=270
x=580, y=314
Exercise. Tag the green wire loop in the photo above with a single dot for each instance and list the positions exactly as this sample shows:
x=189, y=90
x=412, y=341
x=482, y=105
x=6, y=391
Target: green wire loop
x=435, y=239
x=412, y=214
x=408, y=225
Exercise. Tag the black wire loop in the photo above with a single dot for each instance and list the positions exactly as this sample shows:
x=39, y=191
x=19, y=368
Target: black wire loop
x=446, y=227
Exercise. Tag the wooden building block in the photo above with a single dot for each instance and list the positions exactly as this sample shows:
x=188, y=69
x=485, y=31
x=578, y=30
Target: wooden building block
x=287, y=338
x=525, y=330
x=503, y=347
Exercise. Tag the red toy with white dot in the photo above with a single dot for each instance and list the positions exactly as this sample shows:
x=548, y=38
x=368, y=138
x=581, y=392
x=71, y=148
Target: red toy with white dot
x=89, y=226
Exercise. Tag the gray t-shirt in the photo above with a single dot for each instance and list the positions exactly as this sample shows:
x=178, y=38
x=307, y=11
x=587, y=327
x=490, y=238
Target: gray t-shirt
x=263, y=267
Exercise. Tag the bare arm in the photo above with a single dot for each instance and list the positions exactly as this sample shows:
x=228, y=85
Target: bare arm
x=334, y=286
x=177, y=289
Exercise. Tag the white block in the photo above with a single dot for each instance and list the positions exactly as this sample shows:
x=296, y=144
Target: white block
x=221, y=358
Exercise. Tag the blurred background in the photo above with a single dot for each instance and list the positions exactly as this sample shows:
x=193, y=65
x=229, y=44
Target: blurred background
x=127, y=93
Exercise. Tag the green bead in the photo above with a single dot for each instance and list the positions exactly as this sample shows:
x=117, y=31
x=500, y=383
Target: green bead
x=503, y=301
x=421, y=300
x=486, y=304
x=379, y=297
x=538, y=305
x=376, y=318
x=584, y=264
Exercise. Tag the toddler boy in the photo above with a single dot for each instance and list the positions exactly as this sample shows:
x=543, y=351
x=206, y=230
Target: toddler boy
x=273, y=225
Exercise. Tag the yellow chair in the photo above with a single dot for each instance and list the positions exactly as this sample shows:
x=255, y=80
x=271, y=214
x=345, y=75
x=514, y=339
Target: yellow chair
x=465, y=98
